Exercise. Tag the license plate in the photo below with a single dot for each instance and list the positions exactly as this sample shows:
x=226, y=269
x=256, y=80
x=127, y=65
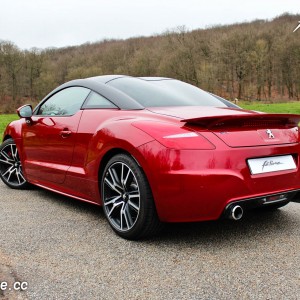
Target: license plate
x=271, y=164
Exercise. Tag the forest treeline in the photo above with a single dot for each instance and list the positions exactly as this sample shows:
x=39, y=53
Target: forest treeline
x=259, y=60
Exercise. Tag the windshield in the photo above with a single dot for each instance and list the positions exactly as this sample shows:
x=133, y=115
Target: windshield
x=166, y=92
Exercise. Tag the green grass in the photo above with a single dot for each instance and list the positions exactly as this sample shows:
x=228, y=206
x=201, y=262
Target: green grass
x=286, y=107
x=4, y=120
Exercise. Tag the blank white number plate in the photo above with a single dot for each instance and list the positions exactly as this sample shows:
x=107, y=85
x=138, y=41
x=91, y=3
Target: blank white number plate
x=271, y=164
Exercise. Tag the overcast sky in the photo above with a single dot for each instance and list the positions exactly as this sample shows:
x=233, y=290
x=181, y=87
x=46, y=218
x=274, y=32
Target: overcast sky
x=58, y=23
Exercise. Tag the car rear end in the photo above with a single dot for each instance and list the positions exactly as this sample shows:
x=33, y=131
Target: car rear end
x=252, y=161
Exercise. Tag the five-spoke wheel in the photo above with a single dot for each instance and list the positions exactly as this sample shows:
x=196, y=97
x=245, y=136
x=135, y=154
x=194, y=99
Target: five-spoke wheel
x=10, y=166
x=127, y=200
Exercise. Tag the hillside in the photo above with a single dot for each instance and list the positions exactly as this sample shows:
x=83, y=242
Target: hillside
x=259, y=60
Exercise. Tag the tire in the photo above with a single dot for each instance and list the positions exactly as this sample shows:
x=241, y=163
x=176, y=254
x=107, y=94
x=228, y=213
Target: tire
x=127, y=199
x=10, y=166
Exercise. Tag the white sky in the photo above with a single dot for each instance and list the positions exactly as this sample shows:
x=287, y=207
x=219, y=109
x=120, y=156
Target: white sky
x=58, y=23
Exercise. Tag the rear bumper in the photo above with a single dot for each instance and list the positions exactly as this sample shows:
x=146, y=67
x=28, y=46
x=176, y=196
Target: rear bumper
x=198, y=185
x=263, y=201
x=296, y=198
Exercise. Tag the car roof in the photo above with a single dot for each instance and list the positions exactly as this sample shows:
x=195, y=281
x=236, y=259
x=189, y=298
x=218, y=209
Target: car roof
x=107, y=78
x=117, y=97
x=97, y=84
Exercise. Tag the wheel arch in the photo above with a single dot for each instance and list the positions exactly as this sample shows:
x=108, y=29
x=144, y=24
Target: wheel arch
x=6, y=137
x=117, y=142
x=111, y=153
x=105, y=159
x=13, y=130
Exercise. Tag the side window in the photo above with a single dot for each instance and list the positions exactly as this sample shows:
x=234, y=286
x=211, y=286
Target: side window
x=97, y=101
x=65, y=102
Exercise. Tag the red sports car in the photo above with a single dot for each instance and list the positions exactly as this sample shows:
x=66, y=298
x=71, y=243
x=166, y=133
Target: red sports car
x=152, y=150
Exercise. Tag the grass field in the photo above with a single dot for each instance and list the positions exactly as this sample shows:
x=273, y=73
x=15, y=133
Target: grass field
x=287, y=107
x=4, y=120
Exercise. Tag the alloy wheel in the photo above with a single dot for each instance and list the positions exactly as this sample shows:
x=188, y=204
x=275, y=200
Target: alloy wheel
x=121, y=196
x=10, y=166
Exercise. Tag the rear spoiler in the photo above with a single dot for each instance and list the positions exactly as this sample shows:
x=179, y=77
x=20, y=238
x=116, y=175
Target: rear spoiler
x=246, y=121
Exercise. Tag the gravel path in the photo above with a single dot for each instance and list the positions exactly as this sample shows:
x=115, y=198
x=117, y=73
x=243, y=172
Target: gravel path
x=65, y=249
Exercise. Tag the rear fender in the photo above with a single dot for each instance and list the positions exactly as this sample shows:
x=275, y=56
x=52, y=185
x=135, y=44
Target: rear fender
x=115, y=135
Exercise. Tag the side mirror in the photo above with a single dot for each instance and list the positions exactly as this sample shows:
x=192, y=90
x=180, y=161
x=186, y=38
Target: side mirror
x=25, y=111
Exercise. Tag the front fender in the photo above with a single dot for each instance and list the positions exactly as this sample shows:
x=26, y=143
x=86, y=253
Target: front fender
x=14, y=130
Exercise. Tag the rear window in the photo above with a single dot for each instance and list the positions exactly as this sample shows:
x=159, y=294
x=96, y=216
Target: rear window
x=168, y=92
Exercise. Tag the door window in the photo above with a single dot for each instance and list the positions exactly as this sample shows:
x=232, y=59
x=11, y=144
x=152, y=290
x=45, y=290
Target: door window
x=65, y=102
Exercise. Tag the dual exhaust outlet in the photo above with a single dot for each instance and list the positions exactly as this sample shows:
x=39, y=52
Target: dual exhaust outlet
x=235, y=212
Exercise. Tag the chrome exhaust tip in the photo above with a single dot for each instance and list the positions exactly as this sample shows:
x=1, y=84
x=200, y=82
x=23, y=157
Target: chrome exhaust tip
x=236, y=212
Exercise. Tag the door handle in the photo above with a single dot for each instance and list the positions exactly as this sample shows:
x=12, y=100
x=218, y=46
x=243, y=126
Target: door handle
x=65, y=133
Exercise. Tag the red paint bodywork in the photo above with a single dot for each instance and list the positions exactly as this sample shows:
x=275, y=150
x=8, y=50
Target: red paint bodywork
x=192, y=178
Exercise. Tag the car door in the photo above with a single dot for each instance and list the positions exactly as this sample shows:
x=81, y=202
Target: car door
x=48, y=140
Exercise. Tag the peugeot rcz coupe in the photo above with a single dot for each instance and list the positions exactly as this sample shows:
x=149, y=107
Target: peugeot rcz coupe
x=152, y=150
